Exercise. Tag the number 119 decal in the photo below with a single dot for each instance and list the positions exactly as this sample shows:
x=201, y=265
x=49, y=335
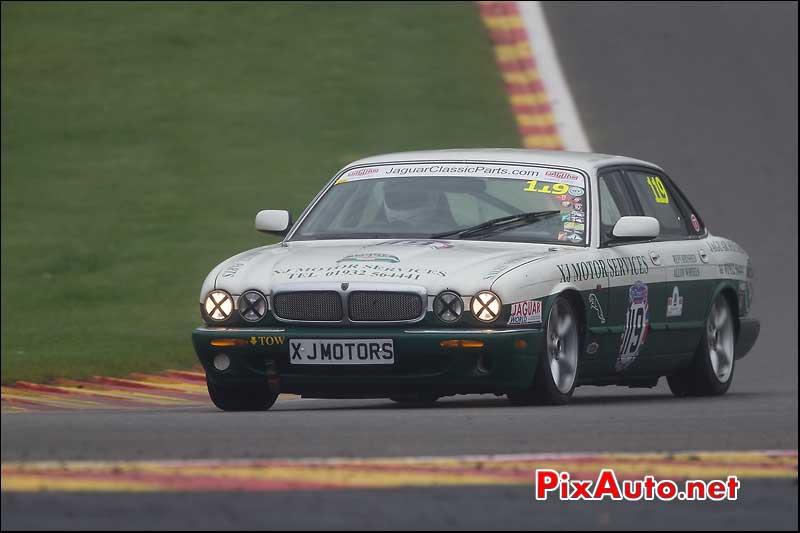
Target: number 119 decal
x=637, y=320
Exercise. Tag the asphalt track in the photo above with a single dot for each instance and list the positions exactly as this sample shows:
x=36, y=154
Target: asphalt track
x=710, y=92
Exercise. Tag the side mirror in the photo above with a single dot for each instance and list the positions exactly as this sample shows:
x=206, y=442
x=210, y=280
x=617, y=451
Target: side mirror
x=273, y=221
x=635, y=228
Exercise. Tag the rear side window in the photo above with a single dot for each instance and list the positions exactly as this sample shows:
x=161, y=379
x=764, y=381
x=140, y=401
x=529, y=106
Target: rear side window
x=696, y=225
x=656, y=200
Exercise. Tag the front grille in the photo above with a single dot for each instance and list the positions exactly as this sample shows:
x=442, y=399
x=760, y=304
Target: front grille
x=316, y=306
x=384, y=306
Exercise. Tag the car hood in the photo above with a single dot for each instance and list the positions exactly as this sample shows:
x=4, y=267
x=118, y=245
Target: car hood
x=464, y=266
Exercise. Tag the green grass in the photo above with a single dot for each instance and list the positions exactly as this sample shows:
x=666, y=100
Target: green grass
x=139, y=140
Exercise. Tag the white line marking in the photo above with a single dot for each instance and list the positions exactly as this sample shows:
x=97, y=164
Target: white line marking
x=558, y=456
x=565, y=113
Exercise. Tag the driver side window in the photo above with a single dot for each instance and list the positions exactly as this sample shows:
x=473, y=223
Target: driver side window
x=614, y=204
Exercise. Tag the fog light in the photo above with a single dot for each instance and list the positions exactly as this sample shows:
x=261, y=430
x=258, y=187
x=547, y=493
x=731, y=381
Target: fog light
x=222, y=362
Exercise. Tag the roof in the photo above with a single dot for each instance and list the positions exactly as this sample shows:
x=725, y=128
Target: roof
x=586, y=161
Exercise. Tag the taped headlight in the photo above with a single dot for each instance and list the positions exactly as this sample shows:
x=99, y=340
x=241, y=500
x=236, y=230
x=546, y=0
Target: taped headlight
x=252, y=306
x=218, y=305
x=486, y=306
x=448, y=307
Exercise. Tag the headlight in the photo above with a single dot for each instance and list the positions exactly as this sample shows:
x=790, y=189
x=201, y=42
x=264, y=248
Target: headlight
x=448, y=307
x=252, y=306
x=218, y=305
x=486, y=306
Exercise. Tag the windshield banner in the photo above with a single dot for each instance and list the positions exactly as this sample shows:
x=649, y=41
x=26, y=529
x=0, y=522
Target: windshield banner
x=470, y=170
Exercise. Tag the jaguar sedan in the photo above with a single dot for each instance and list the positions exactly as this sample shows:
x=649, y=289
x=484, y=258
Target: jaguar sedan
x=524, y=273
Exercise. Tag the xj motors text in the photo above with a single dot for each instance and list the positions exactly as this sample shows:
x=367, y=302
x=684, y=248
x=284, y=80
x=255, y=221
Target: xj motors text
x=418, y=275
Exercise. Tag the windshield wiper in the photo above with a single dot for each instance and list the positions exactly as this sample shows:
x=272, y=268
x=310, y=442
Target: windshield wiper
x=497, y=224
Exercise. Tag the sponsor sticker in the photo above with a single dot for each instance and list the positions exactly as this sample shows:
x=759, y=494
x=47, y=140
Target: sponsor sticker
x=423, y=243
x=687, y=272
x=659, y=191
x=685, y=259
x=382, y=258
x=637, y=320
x=575, y=191
x=570, y=235
x=605, y=268
x=594, y=303
x=695, y=223
x=562, y=175
x=266, y=341
x=546, y=188
x=359, y=172
x=233, y=268
x=473, y=170
x=526, y=312
x=732, y=269
x=675, y=303
x=723, y=245
x=351, y=269
x=508, y=263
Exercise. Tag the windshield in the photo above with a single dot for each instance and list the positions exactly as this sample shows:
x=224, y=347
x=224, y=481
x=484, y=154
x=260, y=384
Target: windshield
x=532, y=204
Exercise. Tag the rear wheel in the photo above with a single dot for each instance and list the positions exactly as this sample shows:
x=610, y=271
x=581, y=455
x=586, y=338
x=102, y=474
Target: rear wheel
x=557, y=369
x=241, y=397
x=711, y=371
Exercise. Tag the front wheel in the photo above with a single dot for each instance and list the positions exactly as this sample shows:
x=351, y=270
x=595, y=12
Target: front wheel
x=554, y=382
x=711, y=371
x=241, y=397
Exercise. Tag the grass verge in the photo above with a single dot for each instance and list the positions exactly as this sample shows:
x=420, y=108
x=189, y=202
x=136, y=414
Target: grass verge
x=140, y=139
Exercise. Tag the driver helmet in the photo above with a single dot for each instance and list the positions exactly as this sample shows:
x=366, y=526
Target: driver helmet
x=409, y=204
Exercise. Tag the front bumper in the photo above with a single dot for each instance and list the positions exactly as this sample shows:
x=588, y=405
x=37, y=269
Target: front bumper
x=506, y=361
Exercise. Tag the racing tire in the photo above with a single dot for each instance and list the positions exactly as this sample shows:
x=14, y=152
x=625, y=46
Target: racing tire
x=557, y=368
x=241, y=397
x=711, y=371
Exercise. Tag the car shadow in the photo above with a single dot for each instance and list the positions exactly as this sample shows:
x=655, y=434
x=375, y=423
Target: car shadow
x=307, y=404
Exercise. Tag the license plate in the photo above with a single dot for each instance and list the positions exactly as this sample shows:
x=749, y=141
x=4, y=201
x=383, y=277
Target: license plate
x=341, y=351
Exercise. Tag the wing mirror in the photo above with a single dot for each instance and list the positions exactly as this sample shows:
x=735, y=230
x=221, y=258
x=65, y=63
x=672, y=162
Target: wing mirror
x=273, y=221
x=635, y=229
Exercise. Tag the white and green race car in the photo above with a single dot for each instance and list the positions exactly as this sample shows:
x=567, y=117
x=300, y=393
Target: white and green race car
x=521, y=272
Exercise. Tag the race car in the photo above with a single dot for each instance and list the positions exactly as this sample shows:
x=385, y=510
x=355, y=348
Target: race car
x=525, y=273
